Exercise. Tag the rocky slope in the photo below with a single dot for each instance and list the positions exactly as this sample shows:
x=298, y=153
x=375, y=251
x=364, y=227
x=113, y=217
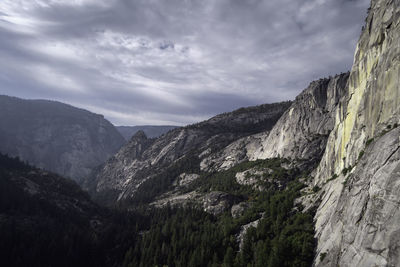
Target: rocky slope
x=357, y=222
x=55, y=136
x=142, y=159
x=151, y=131
x=301, y=132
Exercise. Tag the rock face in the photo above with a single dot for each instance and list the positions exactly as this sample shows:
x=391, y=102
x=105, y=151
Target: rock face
x=373, y=98
x=238, y=210
x=56, y=136
x=233, y=154
x=186, y=179
x=357, y=222
x=358, y=218
x=243, y=231
x=129, y=155
x=127, y=170
x=217, y=202
x=301, y=132
x=252, y=177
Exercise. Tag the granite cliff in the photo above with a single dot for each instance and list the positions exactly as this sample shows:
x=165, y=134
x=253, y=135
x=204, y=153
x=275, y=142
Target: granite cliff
x=357, y=222
x=301, y=132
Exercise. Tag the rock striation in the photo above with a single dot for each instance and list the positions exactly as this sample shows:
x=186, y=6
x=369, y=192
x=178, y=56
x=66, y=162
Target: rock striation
x=357, y=222
x=55, y=136
x=301, y=132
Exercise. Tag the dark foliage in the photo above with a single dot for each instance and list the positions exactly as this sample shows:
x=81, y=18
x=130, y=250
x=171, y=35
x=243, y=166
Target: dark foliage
x=191, y=237
x=46, y=220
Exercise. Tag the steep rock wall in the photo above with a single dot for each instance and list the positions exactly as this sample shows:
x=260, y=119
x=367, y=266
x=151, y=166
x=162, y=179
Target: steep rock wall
x=373, y=97
x=301, y=132
x=357, y=221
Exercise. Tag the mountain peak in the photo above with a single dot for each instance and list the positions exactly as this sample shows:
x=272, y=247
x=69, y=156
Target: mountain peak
x=139, y=135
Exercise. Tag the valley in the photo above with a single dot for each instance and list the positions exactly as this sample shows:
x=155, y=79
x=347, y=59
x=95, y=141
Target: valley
x=308, y=182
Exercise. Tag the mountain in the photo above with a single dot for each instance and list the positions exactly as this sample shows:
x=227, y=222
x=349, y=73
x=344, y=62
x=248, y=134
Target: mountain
x=151, y=131
x=142, y=158
x=55, y=136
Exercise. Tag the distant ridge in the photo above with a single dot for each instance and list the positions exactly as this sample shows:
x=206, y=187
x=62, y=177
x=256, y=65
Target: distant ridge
x=151, y=131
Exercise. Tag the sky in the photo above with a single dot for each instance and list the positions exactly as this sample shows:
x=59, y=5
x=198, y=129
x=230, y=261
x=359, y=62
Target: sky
x=173, y=62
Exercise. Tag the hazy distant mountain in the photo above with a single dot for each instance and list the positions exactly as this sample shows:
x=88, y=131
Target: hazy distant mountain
x=55, y=136
x=151, y=131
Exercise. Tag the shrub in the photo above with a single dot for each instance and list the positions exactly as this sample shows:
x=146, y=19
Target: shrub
x=316, y=189
x=322, y=256
x=361, y=154
x=332, y=178
x=369, y=141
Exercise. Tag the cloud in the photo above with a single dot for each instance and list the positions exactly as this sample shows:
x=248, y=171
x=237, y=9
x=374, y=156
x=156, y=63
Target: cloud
x=175, y=61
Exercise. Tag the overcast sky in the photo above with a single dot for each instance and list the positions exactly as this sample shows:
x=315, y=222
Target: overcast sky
x=172, y=61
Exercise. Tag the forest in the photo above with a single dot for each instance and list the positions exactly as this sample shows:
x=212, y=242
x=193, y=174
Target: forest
x=58, y=224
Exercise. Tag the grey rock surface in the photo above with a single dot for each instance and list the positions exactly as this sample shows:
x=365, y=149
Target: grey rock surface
x=240, y=238
x=301, y=132
x=119, y=167
x=358, y=218
x=233, y=154
x=186, y=179
x=357, y=221
x=218, y=202
x=238, y=210
x=253, y=177
x=178, y=199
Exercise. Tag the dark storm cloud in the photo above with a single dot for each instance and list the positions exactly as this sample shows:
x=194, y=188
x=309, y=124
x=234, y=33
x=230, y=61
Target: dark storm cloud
x=175, y=61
